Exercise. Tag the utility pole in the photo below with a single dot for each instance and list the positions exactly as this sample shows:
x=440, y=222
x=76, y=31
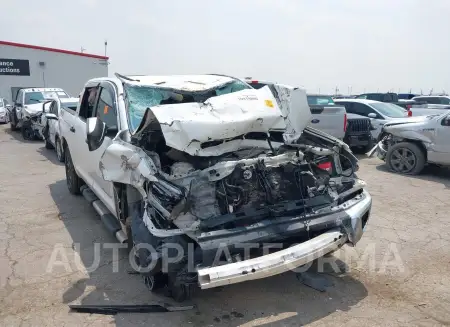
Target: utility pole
x=106, y=47
x=82, y=49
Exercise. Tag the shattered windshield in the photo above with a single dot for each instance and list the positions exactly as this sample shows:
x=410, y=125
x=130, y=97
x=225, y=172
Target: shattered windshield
x=139, y=98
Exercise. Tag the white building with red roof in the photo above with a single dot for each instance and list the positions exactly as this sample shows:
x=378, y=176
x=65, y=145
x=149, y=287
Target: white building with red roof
x=24, y=65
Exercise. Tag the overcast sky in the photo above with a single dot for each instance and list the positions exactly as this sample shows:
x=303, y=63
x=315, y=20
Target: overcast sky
x=362, y=44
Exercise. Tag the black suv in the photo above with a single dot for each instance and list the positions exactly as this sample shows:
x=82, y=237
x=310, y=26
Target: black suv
x=358, y=133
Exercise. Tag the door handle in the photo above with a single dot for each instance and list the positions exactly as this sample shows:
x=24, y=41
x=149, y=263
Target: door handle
x=72, y=129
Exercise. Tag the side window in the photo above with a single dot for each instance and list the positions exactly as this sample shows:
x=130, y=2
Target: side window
x=88, y=103
x=430, y=100
x=106, y=108
x=344, y=104
x=363, y=110
x=445, y=100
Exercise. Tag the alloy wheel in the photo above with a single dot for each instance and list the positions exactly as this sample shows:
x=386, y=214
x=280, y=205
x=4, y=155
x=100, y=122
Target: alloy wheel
x=403, y=160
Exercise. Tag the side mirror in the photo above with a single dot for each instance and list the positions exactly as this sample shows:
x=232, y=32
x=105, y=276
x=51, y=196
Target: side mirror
x=95, y=133
x=46, y=105
x=372, y=115
x=51, y=116
x=446, y=121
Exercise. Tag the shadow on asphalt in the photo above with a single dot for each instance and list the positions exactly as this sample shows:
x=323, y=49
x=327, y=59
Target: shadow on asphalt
x=431, y=173
x=280, y=299
x=50, y=155
x=17, y=135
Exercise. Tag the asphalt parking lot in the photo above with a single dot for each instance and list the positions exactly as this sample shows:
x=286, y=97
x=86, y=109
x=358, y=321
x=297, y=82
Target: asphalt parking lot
x=398, y=275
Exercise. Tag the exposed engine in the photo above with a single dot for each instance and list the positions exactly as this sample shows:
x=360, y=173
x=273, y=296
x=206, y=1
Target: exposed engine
x=191, y=190
x=260, y=185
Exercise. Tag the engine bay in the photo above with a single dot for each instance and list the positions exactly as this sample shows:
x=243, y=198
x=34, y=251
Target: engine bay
x=244, y=186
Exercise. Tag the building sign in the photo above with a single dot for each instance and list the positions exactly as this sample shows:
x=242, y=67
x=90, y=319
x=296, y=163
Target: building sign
x=18, y=67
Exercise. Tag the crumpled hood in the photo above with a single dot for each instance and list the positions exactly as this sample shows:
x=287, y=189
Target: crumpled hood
x=188, y=126
x=408, y=120
x=32, y=109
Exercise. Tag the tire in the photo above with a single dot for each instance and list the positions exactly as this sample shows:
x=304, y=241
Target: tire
x=180, y=291
x=48, y=145
x=73, y=181
x=13, y=121
x=25, y=133
x=406, y=158
x=59, y=150
x=177, y=272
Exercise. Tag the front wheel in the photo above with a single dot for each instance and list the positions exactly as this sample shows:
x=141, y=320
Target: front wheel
x=26, y=133
x=73, y=181
x=406, y=158
x=13, y=121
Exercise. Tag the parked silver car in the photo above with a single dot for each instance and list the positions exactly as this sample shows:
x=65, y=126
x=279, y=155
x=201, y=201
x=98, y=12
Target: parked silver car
x=408, y=145
x=378, y=112
x=4, y=111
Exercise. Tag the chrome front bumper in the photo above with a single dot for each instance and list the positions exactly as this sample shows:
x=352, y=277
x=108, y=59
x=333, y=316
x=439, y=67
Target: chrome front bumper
x=292, y=257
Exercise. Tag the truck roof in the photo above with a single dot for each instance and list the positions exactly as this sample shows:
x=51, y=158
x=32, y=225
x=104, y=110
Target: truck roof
x=178, y=82
x=42, y=89
x=364, y=101
x=431, y=96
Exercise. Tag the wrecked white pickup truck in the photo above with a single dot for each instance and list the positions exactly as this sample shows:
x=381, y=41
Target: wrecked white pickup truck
x=193, y=169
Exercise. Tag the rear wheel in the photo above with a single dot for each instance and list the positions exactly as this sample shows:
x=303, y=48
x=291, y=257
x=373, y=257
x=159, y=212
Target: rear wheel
x=73, y=181
x=59, y=150
x=406, y=158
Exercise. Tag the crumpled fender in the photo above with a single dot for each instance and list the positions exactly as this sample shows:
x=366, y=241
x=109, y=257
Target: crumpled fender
x=125, y=163
x=403, y=132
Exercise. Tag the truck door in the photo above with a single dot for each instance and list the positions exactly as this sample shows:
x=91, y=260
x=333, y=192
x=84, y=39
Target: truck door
x=73, y=128
x=53, y=124
x=441, y=146
x=106, y=110
x=18, y=104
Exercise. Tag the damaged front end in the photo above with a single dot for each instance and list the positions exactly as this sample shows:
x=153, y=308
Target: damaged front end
x=249, y=188
x=418, y=129
x=32, y=127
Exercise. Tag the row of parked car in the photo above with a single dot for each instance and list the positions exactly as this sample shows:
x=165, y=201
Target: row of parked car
x=202, y=161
